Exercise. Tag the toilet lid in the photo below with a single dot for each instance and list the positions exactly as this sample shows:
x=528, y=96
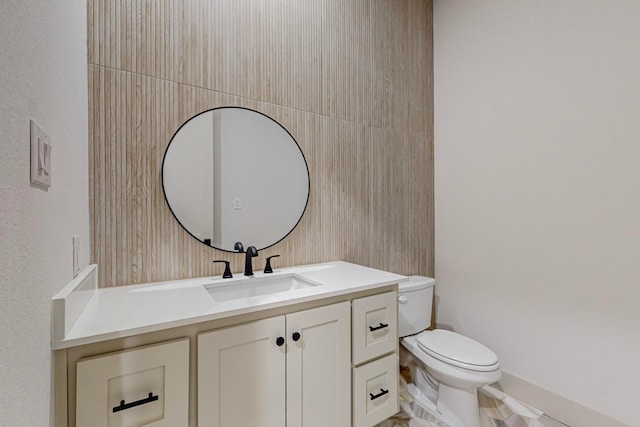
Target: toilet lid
x=458, y=350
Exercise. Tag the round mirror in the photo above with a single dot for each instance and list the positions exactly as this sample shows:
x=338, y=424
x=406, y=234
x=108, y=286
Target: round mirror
x=233, y=174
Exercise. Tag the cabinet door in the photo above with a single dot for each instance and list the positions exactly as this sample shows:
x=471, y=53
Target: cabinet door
x=319, y=367
x=241, y=376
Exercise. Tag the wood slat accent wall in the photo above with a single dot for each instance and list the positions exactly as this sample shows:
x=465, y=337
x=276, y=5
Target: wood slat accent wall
x=352, y=80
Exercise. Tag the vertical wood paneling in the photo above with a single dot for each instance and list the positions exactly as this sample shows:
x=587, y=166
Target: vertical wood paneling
x=351, y=80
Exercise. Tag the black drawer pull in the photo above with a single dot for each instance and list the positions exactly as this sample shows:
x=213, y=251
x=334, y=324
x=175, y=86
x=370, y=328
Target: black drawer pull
x=382, y=393
x=375, y=328
x=124, y=406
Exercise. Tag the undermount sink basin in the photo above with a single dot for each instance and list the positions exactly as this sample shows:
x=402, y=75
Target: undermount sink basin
x=258, y=286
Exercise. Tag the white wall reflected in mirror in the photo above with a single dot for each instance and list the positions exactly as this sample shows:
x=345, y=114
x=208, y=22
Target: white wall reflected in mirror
x=233, y=174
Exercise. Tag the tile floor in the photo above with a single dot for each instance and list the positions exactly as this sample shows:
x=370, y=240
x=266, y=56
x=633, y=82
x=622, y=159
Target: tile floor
x=493, y=413
x=496, y=408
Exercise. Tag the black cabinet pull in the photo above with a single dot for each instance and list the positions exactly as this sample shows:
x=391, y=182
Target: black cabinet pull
x=295, y=336
x=375, y=328
x=375, y=396
x=124, y=406
x=280, y=341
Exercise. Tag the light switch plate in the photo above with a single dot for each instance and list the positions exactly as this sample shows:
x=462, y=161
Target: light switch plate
x=40, y=156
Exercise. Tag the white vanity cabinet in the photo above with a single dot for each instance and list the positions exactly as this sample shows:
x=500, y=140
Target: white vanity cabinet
x=320, y=353
x=291, y=370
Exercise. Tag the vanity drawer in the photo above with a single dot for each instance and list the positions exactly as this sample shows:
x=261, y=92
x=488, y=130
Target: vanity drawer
x=375, y=326
x=375, y=391
x=139, y=387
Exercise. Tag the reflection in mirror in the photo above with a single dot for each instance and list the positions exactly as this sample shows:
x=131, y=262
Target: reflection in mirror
x=232, y=174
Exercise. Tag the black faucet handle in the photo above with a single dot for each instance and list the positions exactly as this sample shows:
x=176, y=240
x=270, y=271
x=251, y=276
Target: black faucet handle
x=238, y=247
x=227, y=271
x=267, y=268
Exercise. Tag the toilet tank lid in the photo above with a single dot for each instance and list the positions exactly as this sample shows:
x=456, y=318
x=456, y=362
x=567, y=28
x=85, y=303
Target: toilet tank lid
x=416, y=283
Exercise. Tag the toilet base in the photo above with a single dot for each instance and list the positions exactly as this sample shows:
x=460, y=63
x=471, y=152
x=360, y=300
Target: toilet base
x=457, y=400
x=459, y=405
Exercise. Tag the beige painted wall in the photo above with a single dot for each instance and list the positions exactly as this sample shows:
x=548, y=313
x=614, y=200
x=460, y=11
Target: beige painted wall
x=43, y=69
x=538, y=191
x=351, y=80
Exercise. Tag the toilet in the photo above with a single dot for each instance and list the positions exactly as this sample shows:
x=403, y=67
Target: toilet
x=456, y=365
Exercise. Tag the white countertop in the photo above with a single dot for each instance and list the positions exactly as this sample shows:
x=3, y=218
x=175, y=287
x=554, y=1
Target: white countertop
x=123, y=311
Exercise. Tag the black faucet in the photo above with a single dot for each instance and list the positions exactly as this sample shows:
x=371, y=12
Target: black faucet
x=227, y=271
x=248, y=267
x=267, y=267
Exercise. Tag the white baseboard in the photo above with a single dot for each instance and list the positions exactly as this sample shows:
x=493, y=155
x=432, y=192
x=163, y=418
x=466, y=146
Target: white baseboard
x=561, y=408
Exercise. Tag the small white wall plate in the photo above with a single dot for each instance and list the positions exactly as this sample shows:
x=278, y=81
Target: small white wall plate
x=40, y=156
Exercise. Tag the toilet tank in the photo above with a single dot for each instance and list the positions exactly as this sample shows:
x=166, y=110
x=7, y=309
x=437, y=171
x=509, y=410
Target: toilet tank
x=415, y=301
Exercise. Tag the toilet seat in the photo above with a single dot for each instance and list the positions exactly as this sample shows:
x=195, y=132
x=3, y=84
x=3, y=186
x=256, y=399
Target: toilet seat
x=457, y=350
